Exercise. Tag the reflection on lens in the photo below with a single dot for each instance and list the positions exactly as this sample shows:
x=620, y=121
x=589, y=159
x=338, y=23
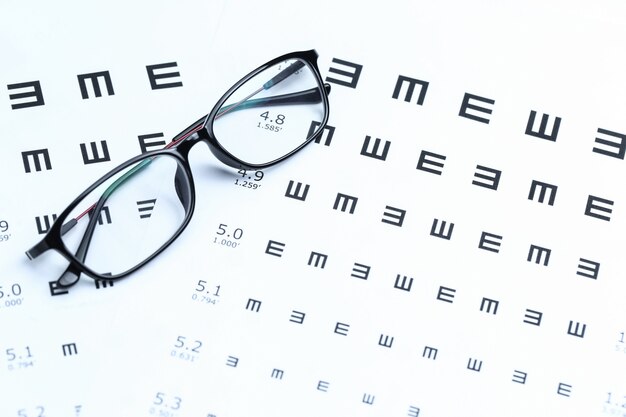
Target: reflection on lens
x=131, y=215
x=271, y=114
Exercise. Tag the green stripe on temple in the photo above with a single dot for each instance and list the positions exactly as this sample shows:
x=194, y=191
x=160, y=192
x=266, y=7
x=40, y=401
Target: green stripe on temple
x=283, y=74
x=312, y=95
x=121, y=180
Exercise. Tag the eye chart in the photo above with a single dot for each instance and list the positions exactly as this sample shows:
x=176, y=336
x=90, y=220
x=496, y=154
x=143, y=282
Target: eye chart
x=451, y=245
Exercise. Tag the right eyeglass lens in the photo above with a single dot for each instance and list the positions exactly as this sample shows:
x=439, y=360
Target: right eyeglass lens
x=271, y=114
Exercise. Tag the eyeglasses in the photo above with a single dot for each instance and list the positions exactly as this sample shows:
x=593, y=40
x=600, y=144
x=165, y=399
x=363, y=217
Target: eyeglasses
x=265, y=118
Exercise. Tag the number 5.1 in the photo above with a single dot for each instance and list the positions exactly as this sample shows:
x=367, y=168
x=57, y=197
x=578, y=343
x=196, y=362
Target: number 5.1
x=200, y=287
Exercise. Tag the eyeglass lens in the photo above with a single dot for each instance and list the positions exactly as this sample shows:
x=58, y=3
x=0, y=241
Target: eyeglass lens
x=271, y=114
x=139, y=209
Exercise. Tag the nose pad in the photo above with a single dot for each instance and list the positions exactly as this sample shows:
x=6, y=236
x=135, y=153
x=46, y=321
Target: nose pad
x=181, y=184
x=69, y=277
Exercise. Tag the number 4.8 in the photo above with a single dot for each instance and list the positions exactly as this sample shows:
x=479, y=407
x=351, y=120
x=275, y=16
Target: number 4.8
x=280, y=119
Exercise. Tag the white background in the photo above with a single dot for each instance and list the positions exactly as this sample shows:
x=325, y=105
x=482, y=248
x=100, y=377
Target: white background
x=562, y=58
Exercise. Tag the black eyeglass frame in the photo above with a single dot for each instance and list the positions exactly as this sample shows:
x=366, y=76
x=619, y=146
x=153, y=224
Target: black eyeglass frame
x=202, y=132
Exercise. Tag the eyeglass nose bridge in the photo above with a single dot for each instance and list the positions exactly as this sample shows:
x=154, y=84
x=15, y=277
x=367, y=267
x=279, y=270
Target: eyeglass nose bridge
x=203, y=135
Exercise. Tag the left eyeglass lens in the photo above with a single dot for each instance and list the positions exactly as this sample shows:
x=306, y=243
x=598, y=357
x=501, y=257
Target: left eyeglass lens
x=130, y=216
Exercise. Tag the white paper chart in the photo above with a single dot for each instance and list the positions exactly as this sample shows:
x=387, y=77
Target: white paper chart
x=451, y=245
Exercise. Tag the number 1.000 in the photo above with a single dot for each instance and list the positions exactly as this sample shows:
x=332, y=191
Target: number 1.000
x=226, y=242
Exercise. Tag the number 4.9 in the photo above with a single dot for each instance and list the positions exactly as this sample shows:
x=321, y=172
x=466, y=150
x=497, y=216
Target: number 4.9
x=258, y=175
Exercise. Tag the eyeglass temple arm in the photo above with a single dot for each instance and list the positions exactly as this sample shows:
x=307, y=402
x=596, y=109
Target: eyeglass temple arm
x=71, y=275
x=42, y=246
x=287, y=72
x=301, y=97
